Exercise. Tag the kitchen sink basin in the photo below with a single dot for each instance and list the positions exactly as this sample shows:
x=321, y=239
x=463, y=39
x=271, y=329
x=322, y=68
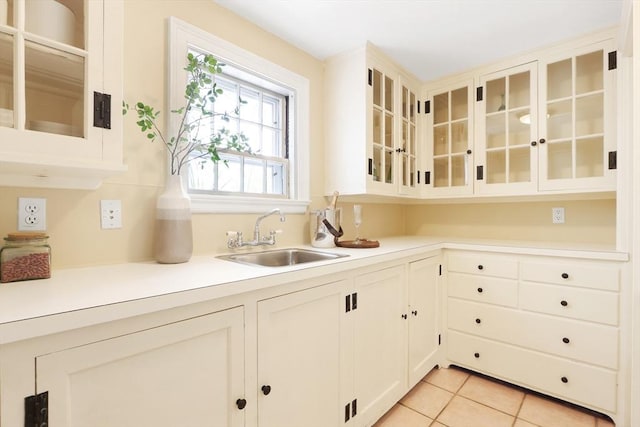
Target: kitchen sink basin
x=281, y=257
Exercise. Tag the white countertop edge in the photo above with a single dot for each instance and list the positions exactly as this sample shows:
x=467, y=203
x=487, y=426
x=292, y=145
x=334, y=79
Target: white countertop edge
x=81, y=297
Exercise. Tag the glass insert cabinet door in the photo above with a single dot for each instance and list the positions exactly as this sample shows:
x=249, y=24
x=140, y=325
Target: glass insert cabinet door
x=574, y=131
x=450, y=118
x=43, y=85
x=381, y=166
x=407, y=151
x=508, y=128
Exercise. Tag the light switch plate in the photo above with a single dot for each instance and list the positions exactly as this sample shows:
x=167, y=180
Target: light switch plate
x=111, y=214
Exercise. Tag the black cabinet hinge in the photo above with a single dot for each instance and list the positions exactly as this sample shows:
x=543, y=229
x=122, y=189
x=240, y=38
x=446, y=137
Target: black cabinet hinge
x=479, y=93
x=36, y=410
x=440, y=270
x=439, y=339
x=351, y=302
x=418, y=107
x=370, y=77
x=370, y=167
x=427, y=177
x=101, y=110
x=613, y=60
x=418, y=175
x=427, y=107
x=350, y=410
x=480, y=173
x=613, y=160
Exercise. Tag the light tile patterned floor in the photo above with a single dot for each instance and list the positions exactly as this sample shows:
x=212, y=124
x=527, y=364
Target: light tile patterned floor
x=456, y=398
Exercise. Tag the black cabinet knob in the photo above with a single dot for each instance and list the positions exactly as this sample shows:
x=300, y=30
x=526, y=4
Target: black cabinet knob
x=534, y=143
x=414, y=312
x=542, y=140
x=564, y=380
x=266, y=389
x=564, y=303
x=565, y=275
x=468, y=151
x=480, y=290
x=480, y=267
x=476, y=355
x=478, y=321
x=241, y=403
x=404, y=316
x=566, y=340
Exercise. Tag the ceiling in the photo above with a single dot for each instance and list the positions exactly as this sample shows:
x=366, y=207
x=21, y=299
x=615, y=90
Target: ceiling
x=430, y=38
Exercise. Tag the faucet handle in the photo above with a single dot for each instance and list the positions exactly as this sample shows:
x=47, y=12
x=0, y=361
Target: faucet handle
x=232, y=234
x=274, y=232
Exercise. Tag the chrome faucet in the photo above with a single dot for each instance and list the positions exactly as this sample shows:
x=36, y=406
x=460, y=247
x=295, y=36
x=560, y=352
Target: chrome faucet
x=235, y=237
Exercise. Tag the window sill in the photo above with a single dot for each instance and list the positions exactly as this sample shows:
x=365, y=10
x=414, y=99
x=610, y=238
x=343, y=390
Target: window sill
x=230, y=204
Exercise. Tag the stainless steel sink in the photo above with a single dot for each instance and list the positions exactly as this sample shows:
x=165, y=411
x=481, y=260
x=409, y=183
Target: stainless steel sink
x=281, y=257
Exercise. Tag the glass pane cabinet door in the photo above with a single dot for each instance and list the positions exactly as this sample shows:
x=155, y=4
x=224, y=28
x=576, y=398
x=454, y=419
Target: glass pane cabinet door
x=383, y=127
x=450, y=140
x=573, y=120
x=509, y=125
x=408, y=144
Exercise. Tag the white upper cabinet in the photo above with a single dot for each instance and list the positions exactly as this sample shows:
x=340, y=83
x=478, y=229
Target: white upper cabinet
x=449, y=140
x=60, y=92
x=506, y=158
x=371, y=126
x=577, y=113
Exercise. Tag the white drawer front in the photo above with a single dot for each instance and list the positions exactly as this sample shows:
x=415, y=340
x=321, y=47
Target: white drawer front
x=575, y=303
x=485, y=265
x=491, y=290
x=573, y=339
x=583, y=384
x=593, y=276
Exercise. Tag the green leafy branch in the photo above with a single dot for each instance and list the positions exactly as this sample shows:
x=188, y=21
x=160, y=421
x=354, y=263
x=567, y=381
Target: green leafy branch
x=200, y=94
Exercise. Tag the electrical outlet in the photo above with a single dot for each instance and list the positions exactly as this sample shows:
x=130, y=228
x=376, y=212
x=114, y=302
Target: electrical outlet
x=111, y=214
x=557, y=215
x=32, y=214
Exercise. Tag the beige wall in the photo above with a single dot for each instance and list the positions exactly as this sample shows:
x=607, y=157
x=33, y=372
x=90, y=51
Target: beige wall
x=73, y=216
x=586, y=221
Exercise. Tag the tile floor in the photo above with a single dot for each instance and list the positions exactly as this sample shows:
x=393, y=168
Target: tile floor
x=456, y=398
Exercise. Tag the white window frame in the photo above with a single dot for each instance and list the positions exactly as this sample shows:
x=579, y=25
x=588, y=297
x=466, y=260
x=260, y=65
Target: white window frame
x=182, y=36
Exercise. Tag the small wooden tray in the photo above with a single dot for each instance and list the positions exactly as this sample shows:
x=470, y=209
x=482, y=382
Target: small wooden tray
x=362, y=243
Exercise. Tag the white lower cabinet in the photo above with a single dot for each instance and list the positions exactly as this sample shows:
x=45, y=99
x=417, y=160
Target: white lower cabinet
x=303, y=348
x=188, y=373
x=545, y=323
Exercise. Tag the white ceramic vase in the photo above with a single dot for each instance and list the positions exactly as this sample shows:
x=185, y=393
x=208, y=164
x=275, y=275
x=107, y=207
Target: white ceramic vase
x=173, y=231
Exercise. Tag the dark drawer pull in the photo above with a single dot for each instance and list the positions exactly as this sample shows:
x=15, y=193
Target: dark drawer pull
x=241, y=403
x=565, y=275
x=480, y=267
x=266, y=389
x=476, y=355
x=564, y=380
x=564, y=303
x=480, y=290
x=478, y=321
x=566, y=340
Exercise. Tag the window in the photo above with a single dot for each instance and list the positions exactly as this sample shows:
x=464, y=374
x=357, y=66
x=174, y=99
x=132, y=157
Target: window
x=273, y=115
x=262, y=117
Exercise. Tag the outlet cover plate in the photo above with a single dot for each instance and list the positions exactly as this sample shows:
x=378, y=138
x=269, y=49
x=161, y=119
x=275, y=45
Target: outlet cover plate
x=557, y=215
x=111, y=214
x=32, y=214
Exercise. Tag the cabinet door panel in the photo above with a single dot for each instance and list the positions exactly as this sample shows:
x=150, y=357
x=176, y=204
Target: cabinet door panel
x=301, y=358
x=188, y=373
x=424, y=300
x=379, y=341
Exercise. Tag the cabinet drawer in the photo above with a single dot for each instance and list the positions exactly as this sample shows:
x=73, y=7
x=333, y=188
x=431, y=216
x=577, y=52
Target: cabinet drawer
x=584, y=304
x=577, y=382
x=491, y=290
x=593, y=275
x=485, y=265
x=587, y=342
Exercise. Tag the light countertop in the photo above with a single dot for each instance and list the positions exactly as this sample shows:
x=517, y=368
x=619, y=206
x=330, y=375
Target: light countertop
x=96, y=294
